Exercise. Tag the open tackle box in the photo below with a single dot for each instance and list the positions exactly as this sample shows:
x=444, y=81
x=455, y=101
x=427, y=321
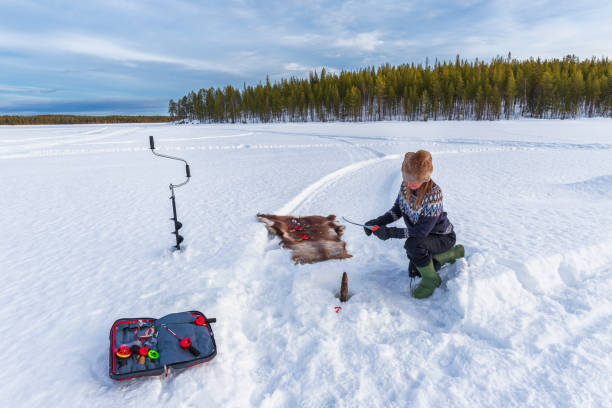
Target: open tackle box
x=148, y=346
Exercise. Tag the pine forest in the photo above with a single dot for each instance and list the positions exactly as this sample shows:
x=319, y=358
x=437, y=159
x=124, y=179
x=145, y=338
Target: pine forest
x=504, y=88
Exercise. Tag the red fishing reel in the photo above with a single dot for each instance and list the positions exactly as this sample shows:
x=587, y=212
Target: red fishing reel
x=124, y=352
x=143, y=352
x=185, y=342
x=202, y=321
x=188, y=346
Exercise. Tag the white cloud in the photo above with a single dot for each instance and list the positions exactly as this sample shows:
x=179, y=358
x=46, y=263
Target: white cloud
x=104, y=48
x=293, y=66
x=362, y=41
x=25, y=89
x=11, y=100
x=300, y=40
x=584, y=35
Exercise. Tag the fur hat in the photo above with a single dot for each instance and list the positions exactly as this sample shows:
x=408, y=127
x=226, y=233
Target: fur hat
x=417, y=167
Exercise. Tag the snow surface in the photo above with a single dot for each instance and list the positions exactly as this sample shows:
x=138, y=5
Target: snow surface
x=524, y=320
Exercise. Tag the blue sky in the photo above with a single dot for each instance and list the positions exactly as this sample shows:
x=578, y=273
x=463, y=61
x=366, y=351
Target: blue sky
x=131, y=57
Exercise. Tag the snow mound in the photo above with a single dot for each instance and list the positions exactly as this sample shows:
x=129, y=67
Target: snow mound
x=598, y=186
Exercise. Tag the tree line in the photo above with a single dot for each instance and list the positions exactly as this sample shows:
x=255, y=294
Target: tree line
x=501, y=89
x=78, y=119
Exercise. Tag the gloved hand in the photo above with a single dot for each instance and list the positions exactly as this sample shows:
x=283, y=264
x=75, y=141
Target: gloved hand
x=370, y=223
x=385, y=233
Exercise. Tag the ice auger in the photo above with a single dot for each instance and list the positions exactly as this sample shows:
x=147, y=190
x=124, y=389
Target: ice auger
x=177, y=224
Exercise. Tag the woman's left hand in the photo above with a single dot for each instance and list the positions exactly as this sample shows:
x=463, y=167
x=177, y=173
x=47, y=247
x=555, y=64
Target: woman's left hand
x=384, y=233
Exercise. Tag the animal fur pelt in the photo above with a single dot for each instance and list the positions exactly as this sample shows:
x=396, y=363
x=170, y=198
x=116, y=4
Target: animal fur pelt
x=324, y=236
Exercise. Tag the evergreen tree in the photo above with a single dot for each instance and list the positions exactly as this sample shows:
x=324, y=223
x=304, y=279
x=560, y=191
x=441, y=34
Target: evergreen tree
x=555, y=88
x=172, y=108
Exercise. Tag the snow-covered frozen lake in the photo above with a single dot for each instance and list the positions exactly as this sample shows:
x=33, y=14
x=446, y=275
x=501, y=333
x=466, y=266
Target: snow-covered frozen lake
x=524, y=320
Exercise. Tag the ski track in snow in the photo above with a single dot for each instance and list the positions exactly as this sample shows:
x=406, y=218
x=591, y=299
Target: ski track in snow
x=188, y=139
x=41, y=147
x=519, y=322
x=260, y=299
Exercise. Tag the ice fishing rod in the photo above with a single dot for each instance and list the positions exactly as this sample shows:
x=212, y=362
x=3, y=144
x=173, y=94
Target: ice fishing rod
x=370, y=227
x=185, y=343
x=177, y=224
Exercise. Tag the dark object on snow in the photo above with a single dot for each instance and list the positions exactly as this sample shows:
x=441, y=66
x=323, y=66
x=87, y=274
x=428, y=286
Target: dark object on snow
x=312, y=239
x=344, y=288
x=177, y=224
x=147, y=346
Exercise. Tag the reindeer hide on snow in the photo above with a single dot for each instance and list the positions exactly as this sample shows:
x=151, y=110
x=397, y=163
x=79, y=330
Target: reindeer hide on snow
x=324, y=236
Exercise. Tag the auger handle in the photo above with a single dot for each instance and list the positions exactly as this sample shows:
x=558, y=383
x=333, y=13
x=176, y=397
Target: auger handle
x=187, y=169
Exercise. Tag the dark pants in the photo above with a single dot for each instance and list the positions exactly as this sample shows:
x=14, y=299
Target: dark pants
x=421, y=249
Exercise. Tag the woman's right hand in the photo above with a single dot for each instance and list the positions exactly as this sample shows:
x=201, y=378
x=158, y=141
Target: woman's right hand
x=370, y=223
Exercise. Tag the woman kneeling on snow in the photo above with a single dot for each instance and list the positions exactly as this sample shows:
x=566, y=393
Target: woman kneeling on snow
x=429, y=236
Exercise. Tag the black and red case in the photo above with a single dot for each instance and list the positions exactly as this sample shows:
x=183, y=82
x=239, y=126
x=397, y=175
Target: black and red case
x=148, y=346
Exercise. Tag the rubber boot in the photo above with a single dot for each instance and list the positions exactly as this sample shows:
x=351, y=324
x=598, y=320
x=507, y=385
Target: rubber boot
x=413, y=272
x=451, y=255
x=431, y=280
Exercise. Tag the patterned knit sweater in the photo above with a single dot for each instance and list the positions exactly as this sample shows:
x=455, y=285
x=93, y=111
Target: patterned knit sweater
x=427, y=218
